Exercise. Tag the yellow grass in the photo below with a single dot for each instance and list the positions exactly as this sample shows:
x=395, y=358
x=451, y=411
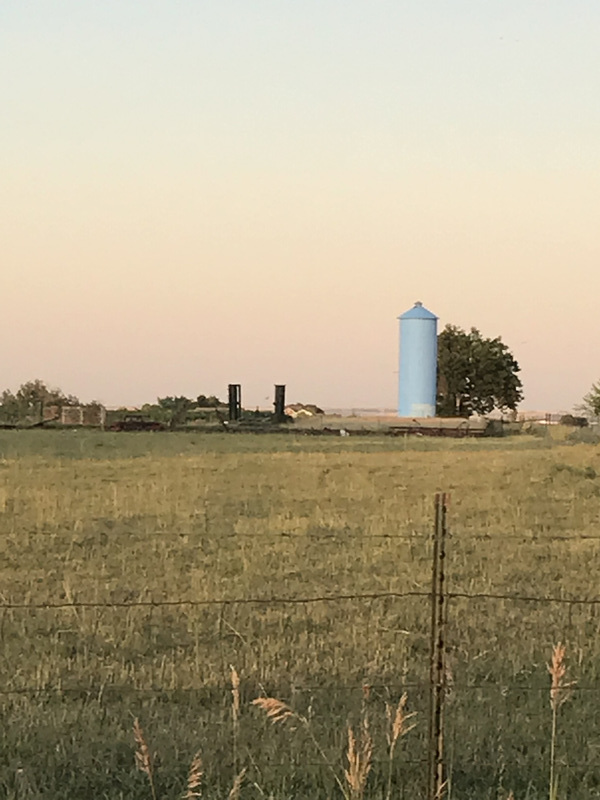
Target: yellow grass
x=194, y=781
x=103, y=519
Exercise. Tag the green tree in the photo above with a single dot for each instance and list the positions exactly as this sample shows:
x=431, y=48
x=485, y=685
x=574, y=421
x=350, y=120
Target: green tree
x=9, y=407
x=177, y=408
x=32, y=396
x=590, y=405
x=475, y=374
x=30, y=400
x=202, y=401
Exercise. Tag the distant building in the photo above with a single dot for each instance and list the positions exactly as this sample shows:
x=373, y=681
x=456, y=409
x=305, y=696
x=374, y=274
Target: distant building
x=92, y=416
x=51, y=413
x=302, y=410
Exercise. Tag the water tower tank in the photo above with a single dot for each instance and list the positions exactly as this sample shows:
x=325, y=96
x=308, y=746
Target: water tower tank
x=418, y=363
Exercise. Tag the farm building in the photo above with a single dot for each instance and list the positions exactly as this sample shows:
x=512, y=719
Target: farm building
x=302, y=410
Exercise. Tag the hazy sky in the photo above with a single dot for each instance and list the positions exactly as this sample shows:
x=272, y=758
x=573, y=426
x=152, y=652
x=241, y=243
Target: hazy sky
x=198, y=192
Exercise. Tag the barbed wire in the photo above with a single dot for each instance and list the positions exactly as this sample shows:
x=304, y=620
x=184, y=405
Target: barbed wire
x=224, y=601
x=426, y=536
x=102, y=689
x=324, y=536
x=521, y=598
x=311, y=599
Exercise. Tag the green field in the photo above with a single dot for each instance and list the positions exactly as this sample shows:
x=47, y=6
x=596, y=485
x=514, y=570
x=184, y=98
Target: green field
x=168, y=537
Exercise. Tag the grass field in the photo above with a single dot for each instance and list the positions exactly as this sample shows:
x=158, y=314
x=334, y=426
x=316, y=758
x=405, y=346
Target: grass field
x=129, y=523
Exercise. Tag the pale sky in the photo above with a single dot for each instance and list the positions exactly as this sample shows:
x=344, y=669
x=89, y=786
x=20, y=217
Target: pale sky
x=198, y=192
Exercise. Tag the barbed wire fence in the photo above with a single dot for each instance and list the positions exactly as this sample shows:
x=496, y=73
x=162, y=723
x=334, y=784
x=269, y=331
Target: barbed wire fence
x=440, y=599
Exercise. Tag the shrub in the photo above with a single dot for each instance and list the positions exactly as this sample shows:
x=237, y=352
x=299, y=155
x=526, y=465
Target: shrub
x=573, y=422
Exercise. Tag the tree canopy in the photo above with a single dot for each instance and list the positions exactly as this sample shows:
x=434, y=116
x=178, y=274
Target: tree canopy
x=591, y=402
x=176, y=407
x=475, y=374
x=27, y=404
x=176, y=410
x=30, y=400
x=210, y=401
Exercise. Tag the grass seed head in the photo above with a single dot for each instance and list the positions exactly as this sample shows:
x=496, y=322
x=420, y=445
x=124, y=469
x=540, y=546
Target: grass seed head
x=359, y=755
x=234, y=794
x=560, y=689
x=143, y=759
x=398, y=720
x=194, y=781
x=235, y=693
x=276, y=710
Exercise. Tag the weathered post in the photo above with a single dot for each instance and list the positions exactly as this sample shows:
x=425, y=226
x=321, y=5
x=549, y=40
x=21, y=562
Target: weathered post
x=437, y=781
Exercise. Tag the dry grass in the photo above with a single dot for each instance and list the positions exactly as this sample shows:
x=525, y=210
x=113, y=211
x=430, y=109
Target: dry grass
x=359, y=750
x=92, y=518
x=238, y=782
x=399, y=725
x=235, y=713
x=560, y=691
x=194, y=781
x=235, y=695
x=276, y=710
x=398, y=721
x=143, y=759
x=359, y=755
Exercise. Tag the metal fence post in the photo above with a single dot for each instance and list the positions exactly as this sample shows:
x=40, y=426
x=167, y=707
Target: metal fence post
x=437, y=783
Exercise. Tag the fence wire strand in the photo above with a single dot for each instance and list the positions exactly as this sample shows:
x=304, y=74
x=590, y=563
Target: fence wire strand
x=326, y=598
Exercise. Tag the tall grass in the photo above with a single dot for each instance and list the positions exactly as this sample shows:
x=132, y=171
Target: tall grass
x=353, y=777
x=143, y=759
x=93, y=519
x=560, y=690
x=399, y=726
x=359, y=751
x=194, y=780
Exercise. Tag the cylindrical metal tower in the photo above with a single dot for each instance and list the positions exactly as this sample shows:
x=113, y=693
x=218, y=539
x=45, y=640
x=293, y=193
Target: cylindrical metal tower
x=418, y=363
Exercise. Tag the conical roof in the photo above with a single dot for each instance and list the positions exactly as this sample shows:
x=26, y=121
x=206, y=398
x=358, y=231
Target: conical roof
x=418, y=311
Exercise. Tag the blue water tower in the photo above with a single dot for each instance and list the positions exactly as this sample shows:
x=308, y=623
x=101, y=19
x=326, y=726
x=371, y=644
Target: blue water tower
x=418, y=363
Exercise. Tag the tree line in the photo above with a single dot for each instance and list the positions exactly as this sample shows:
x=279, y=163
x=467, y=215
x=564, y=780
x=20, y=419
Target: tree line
x=476, y=375
x=30, y=400
x=177, y=410
x=33, y=398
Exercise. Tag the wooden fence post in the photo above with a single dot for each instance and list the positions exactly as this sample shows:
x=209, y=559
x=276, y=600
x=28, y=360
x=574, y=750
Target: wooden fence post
x=437, y=782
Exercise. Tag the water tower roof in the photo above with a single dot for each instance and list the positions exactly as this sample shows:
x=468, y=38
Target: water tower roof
x=418, y=311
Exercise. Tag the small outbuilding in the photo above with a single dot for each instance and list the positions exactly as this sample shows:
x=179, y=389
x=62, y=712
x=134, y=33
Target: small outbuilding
x=302, y=410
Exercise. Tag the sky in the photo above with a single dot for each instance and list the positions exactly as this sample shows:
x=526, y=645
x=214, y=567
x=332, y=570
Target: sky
x=202, y=192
